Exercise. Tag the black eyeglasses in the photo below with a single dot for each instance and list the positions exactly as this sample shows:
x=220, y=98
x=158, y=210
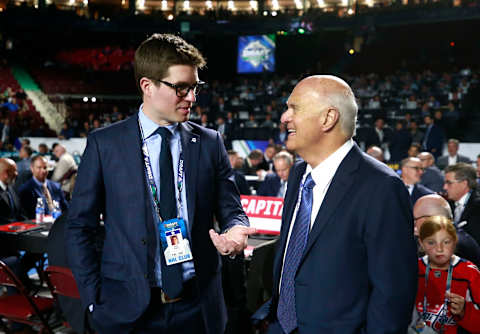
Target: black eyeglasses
x=182, y=90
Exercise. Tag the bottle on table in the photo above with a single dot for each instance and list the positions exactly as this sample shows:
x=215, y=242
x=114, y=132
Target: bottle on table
x=39, y=211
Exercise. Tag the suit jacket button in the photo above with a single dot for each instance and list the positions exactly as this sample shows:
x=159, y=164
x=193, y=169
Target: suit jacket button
x=144, y=242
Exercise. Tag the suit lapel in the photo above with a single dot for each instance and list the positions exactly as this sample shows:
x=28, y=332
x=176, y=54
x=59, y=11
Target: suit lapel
x=191, y=155
x=339, y=188
x=131, y=150
x=468, y=206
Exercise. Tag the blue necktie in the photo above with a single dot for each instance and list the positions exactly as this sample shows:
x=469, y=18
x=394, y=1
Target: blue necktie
x=286, y=314
x=171, y=275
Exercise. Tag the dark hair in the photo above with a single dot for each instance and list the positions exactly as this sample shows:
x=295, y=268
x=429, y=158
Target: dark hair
x=28, y=150
x=464, y=172
x=156, y=54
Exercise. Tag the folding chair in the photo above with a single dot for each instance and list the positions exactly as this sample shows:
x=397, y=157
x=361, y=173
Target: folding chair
x=23, y=307
x=60, y=281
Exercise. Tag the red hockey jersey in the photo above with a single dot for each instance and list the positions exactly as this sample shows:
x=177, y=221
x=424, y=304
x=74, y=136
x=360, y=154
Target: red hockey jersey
x=465, y=282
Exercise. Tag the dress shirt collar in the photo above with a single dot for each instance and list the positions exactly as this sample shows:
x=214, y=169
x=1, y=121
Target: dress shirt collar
x=463, y=200
x=149, y=127
x=3, y=186
x=324, y=172
x=38, y=182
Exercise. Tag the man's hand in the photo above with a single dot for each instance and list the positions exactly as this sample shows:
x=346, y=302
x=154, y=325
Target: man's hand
x=233, y=241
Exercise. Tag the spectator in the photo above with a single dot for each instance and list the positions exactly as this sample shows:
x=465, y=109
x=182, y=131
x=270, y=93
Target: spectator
x=376, y=152
x=40, y=186
x=439, y=306
x=453, y=157
x=85, y=130
x=268, y=123
x=275, y=183
x=253, y=162
x=5, y=134
x=251, y=123
x=204, y=121
x=460, y=185
x=435, y=205
x=65, y=169
x=434, y=137
x=378, y=135
x=10, y=208
x=432, y=177
x=412, y=171
x=67, y=132
x=400, y=143
x=270, y=152
x=415, y=133
x=282, y=135
x=43, y=149
x=236, y=163
x=24, y=155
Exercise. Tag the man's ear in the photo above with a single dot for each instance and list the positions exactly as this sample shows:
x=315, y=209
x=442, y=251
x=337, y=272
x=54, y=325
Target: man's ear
x=146, y=86
x=329, y=119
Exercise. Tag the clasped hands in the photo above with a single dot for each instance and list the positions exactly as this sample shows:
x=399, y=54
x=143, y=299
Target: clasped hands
x=233, y=241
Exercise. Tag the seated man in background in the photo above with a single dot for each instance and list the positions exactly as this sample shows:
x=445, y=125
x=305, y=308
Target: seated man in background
x=10, y=208
x=237, y=163
x=275, y=184
x=412, y=171
x=253, y=163
x=432, y=177
x=435, y=205
x=24, y=164
x=40, y=187
x=65, y=169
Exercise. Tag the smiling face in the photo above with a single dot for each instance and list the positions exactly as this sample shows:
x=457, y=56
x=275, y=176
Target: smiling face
x=302, y=119
x=161, y=103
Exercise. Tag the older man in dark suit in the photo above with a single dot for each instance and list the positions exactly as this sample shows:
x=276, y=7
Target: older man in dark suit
x=432, y=177
x=154, y=176
x=452, y=157
x=10, y=208
x=346, y=240
x=412, y=171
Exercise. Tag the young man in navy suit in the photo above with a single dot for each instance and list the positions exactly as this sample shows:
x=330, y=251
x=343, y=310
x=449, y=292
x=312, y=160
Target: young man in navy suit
x=153, y=176
x=346, y=258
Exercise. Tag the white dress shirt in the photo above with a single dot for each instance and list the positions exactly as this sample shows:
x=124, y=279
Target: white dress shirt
x=452, y=160
x=459, y=207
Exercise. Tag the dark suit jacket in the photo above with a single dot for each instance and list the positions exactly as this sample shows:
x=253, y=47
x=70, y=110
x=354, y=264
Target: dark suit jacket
x=111, y=181
x=471, y=215
x=442, y=162
x=241, y=183
x=399, y=144
x=419, y=191
x=30, y=191
x=8, y=213
x=358, y=273
x=372, y=138
x=270, y=186
x=432, y=178
x=434, y=139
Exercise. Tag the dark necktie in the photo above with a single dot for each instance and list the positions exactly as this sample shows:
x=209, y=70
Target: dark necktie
x=286, y=314
x=11, y=203
x=171, y=275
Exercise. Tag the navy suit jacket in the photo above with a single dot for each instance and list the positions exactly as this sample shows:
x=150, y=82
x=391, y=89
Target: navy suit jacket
x=434, y=140
x=358, y=273
x=442, y=162
x=419, y=191
x=111, y=180
x=30, y=191
x=270, y=186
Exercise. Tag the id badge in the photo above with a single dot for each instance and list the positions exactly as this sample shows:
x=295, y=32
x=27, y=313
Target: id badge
x=175, y=245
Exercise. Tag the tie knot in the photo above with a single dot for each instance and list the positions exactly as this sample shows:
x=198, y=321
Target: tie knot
x=164, y=133
x=309, y=183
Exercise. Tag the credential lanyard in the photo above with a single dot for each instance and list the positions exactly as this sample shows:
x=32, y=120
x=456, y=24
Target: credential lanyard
x=151, y=180
x=447, y=291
